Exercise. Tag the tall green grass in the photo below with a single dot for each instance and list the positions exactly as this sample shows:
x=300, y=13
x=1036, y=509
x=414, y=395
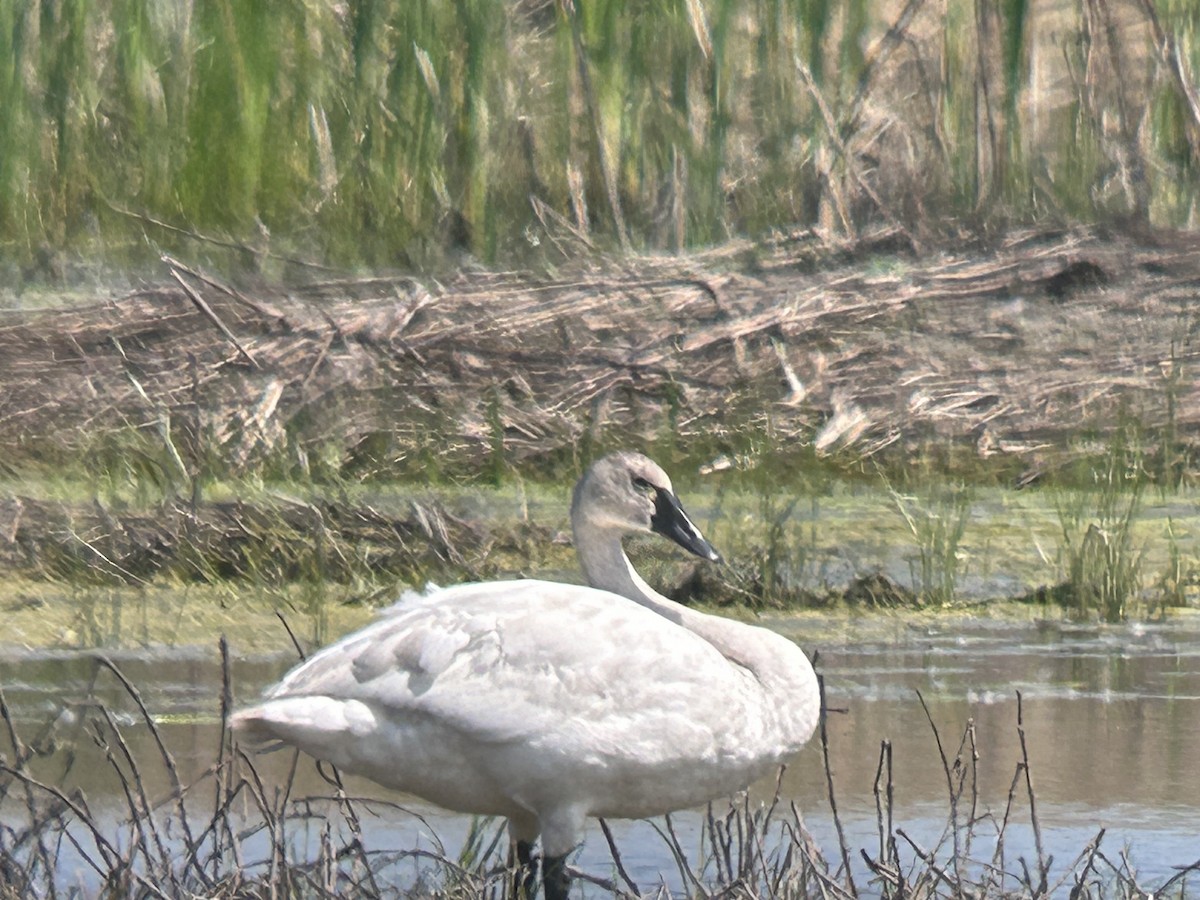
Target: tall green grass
x=937, y=522
x=406, y=132
x=1100, y=555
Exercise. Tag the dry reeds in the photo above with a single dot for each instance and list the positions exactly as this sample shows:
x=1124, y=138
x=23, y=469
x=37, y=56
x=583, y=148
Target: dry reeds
x=1008, y=357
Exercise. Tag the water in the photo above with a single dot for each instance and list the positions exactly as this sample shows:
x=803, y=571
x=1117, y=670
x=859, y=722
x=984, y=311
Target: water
x=1111, y=716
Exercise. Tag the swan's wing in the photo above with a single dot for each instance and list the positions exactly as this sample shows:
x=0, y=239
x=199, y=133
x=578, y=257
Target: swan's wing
x=527, y=660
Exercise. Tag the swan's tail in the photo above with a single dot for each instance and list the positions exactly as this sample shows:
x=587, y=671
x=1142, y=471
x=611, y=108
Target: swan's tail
x=255, y=729
x=318, y=725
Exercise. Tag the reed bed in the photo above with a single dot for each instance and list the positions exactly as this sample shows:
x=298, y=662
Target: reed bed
x=400, y=134
x=231, y=834
x=1013, y=362
x=804, y=363
x=281, y=542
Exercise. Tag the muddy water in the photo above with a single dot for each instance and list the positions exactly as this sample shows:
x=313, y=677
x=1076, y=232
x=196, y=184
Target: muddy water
x=1111, y=718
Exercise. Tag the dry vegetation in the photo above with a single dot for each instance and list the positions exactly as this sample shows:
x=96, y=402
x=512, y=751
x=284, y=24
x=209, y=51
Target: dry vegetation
x=1029, y=362
x=229, y=835
x=1016, y=355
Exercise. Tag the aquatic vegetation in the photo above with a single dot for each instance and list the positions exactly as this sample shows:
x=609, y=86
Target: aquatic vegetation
x=1101, y=556
x=226, y=835
x=406, y=134
x=937, y=523
x=1179, y=581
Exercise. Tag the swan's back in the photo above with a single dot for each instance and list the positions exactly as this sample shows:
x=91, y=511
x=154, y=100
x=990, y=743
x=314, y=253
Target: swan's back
x=569, y=684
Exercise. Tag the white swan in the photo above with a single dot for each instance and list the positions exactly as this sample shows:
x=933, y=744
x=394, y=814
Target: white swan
x=549, y=703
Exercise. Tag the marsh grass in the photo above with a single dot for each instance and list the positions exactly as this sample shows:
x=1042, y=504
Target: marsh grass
x=405, y=134
x=1180, y=577
x=791, y=540
x=765, y=515
x=1100, y=554
x=937, y=521
x=230, y=833
x=102, y=618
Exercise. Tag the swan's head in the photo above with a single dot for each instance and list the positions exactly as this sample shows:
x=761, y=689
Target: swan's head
x=629, y=493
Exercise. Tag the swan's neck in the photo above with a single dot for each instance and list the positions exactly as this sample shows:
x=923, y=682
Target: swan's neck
x=606, y=566
x=779, y=666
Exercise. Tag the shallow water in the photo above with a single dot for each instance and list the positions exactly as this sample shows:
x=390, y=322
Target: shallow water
x=1111, y=717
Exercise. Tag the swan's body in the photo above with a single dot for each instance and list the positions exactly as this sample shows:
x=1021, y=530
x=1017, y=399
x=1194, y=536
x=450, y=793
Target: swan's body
x=548, y=703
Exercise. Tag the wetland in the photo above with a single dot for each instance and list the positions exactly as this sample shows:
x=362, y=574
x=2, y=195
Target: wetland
x=1109, y=711
x=303, y=306
x=990, y=546
x=1111, y=715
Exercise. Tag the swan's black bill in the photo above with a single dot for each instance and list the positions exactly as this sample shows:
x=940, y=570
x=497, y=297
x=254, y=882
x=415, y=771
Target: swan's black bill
x=671, y=521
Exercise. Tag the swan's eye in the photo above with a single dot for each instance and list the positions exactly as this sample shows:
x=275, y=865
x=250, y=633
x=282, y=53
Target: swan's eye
x=642, y=484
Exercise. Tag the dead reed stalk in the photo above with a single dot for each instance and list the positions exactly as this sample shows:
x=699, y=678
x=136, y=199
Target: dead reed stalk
x=1008, y=353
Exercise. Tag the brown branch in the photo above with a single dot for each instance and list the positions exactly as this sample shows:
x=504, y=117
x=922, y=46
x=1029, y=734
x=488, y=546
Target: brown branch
x=209, y=239
x=843, y=847
x=202, y=305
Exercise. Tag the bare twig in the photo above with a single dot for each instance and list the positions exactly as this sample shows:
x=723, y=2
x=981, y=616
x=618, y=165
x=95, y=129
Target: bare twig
x=951, y=794
x=265, y=311
x=1043, y=865
x=291, y=636
x=209, y=239
x=843, y=847
x=667, y=832
x=202, y=305
x=616, y=858
x=168, y=760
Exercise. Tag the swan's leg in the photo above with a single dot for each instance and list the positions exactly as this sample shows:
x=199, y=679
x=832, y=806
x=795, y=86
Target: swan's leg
x=562, y=830
x=556, y=883
x=524, y=873
x=522, y=833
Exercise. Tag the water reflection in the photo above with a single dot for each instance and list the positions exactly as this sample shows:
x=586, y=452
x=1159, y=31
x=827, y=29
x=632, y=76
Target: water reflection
x=1111, y=717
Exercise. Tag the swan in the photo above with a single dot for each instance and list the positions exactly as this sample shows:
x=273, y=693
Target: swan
x=550, y=703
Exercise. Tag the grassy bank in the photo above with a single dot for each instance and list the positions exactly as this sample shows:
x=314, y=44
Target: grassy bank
x=112, y=569
x=400, y=134
x=865, y=443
